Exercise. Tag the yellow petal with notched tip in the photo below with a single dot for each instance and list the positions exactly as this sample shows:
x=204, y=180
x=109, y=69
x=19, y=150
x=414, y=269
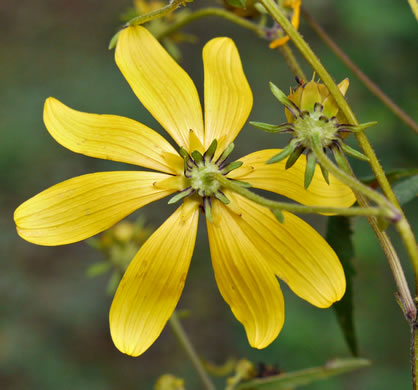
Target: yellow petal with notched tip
x=228, y=97
x=109, y=137
x=152, y=284
x=295, y=251
x=289, y=182
x=245, y=279
x=161, y=85
x=83, y=206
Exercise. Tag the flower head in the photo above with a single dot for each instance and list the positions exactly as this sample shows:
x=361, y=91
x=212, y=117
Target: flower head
x=313, y=116
x=248, y=246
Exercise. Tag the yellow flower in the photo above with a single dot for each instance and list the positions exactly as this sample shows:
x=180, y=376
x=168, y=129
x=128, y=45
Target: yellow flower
x=248, y=246
x=294, y=7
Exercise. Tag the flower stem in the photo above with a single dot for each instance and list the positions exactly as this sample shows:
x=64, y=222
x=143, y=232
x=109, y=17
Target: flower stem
x=300, y=43
x=158, y=13
x=371, y=86
x=291, y=61
x=320, y=70
x=212, y=11
x=181, y=335
x=414, y=355
x=296, y=208
x=350, y=180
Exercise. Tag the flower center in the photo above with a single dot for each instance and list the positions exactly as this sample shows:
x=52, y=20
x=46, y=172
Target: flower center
x=203, y=178
x=201, y=172
x=315, y=123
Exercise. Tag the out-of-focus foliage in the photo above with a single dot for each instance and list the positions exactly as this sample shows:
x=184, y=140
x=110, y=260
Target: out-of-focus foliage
x=54, y=321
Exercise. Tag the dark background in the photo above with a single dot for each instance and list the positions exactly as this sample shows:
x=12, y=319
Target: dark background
x=54, y=321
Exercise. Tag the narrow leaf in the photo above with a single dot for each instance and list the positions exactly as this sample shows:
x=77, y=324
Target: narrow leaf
x=272, y=128
x=294, y=156
x=353, y=152
x=291, y=380
x=278, y=214
x=310, y=169
x=283, y=154
x=339, y=236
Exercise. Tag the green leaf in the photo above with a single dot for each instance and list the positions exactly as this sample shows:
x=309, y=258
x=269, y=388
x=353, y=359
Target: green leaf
x=392, y=175
x=339, y=236
x=237, y=3
x=291, y=380
x=406, y=190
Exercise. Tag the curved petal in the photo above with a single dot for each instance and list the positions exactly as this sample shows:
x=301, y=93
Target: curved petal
x=295, y=251
x=245, y=280
x=152, y=284
x=228, y=97
x=83, y=206
x=289, y=182
x=109, y=137
x=161, y=85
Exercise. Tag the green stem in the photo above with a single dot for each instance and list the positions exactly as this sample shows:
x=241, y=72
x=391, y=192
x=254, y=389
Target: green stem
x=350, y=180
x=372, y=87
x=297, y=208
x=291, y=61
x=414, y=7
x=181, y=335
x=320, y=70
x=158, y=13
x=408, y=238
x=203, y=12
x=310, y=56
x=414, y=355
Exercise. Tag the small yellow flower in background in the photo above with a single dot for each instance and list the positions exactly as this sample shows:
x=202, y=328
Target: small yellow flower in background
x=292, y=7
x=169, y=382
x=249, y=247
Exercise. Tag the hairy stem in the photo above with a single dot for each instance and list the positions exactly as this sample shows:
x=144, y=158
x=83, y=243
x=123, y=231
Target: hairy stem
x=181, y=335
x=212, y=11
x=371, y=86
x=351, y=180
x=316, y=64
x=291, y=61
x=297, y=208
x=310, y=56
x=158, y=13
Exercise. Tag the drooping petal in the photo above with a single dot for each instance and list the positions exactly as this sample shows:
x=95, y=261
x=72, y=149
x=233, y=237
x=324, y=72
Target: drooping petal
x=228, y=97
x=152, y=285
x=109, y=137
x=245, y=280
x=161, y=85
x=83, y=206
x=295, y=251
x=275, y=178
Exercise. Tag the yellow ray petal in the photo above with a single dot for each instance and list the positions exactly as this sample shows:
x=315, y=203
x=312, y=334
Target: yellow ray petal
x=244, y=278
x=228, y=97
x=296, y=252
x=83, y=206
x=109, y=137
x=275, y=178
x=152, y=285
x=161, y=85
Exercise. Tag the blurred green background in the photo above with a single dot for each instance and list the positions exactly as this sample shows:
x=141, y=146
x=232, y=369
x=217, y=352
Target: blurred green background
x=54, y=321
